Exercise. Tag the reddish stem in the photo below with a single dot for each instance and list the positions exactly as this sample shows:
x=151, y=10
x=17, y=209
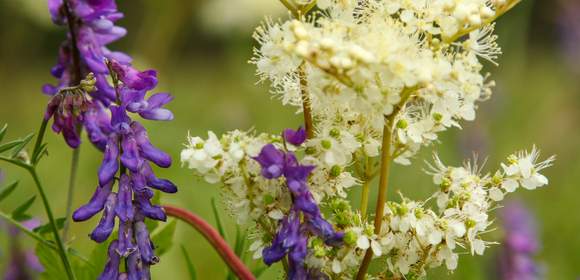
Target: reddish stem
x=214, y=238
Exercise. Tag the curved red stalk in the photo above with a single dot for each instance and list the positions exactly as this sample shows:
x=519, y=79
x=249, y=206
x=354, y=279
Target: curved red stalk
x=214, y=238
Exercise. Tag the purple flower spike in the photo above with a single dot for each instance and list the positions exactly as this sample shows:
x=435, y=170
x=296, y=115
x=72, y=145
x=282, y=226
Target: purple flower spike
x=272, y=161
x=292, y=237
x=295, y=137
x=93, y=104
x=95, y=205
x=144, y=242
x=111, y=271
x=124, y=209
x=107, y=222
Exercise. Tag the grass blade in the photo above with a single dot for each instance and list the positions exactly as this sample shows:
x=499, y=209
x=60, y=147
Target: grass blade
x=190, y=267
x=218, y=220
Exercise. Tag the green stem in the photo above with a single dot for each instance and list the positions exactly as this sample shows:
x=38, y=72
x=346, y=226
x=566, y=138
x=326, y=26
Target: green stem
x=306, y=109
x=28, y=232
x=386, y=158
x=39, y=238
x=58, y=240
x=71, y=190
x=290, y=8
x=364, y=202
x=466, y=31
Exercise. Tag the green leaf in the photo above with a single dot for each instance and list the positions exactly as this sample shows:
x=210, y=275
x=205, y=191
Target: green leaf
x=218, y=220
x=3, y=131
x=190, y=267
x=42, y=151
x=22, y=144
x=378, y=264
x=9, y=145
x=46, y=228
x=50, y=260
x=8, y=190
x=54, y=270
x=19, y=213
x=163, y=239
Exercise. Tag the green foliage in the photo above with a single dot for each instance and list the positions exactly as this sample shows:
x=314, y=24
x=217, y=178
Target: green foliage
x=19, y=213
x=54, y=270
x=46, y=228
x=163, y=239
x=22, y=143
x=190, y=267
x=6, y=191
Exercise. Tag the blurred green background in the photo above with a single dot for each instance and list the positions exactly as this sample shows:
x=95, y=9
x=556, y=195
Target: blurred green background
x=201, y=49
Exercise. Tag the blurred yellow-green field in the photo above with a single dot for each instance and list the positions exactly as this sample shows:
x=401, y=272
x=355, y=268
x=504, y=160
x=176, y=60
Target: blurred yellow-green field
x=201, y=51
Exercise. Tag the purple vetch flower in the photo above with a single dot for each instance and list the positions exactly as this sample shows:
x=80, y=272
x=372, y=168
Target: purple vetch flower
x=304, y=219
x=67, y=108
x=295, y=137
x=94, y=29
x=520, y=245
x=104, y=112
x=272, y=161
x=95, y=205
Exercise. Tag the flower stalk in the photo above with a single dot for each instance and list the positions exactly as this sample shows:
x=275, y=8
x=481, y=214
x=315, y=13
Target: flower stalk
x=306, y=110
x=386, y=159
x=76, y=80
x=214, y=238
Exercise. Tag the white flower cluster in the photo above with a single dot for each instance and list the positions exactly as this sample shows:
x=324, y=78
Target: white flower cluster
x=416, y=238
x=372, y=59
x=229, y=161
